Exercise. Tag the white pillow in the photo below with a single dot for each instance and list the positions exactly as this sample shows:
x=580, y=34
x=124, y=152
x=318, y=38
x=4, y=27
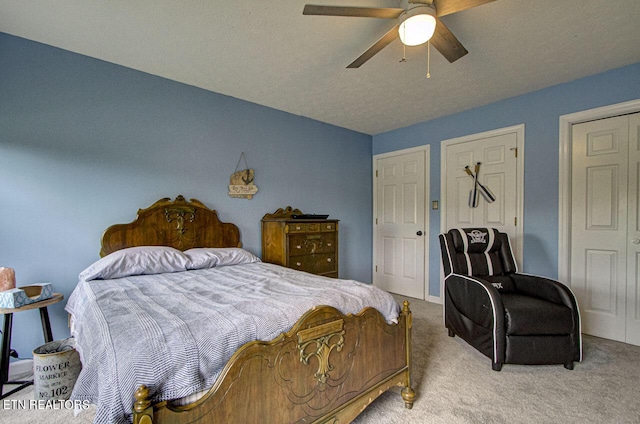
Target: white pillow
x=209, y=257
x=136, y=261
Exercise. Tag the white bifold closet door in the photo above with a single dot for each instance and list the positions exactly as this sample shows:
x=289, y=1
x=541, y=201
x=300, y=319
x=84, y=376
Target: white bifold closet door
x=605, y=227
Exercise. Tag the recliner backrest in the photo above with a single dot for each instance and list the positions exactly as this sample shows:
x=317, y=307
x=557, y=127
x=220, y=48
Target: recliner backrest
x=477, y=252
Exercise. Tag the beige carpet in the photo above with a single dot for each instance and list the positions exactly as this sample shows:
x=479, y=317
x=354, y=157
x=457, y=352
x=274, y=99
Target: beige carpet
x=455, y=384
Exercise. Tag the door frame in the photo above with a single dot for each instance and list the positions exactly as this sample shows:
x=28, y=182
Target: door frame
x=564, y=175
x=427, y=170
x=519, y=130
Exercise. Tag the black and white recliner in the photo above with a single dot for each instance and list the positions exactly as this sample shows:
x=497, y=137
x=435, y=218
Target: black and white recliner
x=511, y=318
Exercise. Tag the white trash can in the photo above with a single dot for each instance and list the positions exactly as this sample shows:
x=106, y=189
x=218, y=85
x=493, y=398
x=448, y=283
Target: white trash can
x=56, y=366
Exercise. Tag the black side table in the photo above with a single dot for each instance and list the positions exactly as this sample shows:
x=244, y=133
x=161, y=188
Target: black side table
x=6, y=338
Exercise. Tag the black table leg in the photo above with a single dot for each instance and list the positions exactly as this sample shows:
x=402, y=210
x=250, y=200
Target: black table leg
x=4, y=366
x=6, y=348
x=46, y=325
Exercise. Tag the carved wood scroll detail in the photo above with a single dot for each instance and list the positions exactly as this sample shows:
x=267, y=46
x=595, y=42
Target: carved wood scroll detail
x=325, y=337
x=285, y=213
x=178, y=215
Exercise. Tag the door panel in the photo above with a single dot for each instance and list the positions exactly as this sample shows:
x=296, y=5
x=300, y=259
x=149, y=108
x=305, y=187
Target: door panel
x=495, y=214
x=460, y=203
x=400, y=216
x=409, y=251
x=389, y=202
x=602, y=197
x=601, y=281
x=410, y=196
x=389, y=256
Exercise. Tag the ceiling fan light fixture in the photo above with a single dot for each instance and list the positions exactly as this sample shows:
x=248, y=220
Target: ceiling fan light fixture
x=417, y=25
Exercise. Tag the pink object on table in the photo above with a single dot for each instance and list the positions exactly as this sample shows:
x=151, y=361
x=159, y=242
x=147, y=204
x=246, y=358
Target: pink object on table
x=7, y=279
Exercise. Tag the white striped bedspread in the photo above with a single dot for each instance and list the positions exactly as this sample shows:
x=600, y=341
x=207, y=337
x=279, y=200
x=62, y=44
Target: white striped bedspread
x=175, y=332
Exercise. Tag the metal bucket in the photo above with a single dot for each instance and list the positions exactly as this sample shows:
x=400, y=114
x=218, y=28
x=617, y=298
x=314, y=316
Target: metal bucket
x=56, y=366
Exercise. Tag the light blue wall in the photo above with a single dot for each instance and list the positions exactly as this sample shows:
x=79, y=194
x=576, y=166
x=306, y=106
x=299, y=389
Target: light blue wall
x=540, y=112
x=85, y=143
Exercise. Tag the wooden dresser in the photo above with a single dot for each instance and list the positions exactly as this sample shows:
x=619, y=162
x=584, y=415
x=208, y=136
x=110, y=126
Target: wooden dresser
x=309, y=245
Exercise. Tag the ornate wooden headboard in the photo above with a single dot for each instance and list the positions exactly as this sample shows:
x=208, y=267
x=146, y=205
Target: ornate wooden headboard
x=180, y=223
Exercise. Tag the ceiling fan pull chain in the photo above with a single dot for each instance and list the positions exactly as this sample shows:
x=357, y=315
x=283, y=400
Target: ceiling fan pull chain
x=428, y=59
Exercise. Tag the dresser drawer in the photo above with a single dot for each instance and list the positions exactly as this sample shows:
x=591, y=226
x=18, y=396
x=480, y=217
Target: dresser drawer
x=315, y=264
x=311, y=227
x=304, y=244
x=327, y=226
x=299, y=227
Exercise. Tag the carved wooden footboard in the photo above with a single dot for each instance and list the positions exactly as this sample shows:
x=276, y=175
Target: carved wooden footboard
x=327, y=368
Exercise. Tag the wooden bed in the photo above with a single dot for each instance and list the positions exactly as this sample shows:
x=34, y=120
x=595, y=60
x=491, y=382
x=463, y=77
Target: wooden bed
x=327, y=368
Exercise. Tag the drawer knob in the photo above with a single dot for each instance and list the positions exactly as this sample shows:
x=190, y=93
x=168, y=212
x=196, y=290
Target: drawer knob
x=298, y=263
x=298, y=247
x=328, y=259
x=329, y=244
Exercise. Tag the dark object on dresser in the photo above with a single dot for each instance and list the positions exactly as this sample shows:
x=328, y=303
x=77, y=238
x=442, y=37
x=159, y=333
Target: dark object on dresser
x=309, y=245
x=309, y=216
x=509, y=317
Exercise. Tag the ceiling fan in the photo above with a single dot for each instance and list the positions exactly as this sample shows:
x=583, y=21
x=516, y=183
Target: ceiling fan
x=418, y=22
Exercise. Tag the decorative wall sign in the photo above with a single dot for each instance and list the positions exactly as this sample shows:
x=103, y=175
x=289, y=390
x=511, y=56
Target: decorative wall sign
x=241, y=182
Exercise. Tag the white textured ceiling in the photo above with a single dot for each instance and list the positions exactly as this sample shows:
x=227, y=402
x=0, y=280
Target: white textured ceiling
x=267, y=52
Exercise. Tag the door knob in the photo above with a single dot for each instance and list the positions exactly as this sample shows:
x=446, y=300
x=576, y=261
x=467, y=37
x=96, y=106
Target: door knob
x=419, y=233
x=635, y=241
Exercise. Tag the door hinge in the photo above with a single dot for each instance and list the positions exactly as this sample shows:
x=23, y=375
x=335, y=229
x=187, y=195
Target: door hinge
x=515, y=151
x=376, y=173
x=376, y=268
x=515, y=220
x=376, y=221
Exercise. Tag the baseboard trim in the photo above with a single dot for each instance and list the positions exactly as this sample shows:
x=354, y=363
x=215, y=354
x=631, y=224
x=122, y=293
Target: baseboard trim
x=434, y=299
x=21, y=367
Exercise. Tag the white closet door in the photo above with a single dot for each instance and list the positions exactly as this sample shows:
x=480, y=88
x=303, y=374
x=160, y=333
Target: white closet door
x=605, y=238
x=633, y=234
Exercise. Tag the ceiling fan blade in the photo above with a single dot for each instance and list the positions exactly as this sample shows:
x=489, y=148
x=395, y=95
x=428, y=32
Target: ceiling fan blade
x=391, y=35
x=447, y=43
x=447, y=7
x=358, y=12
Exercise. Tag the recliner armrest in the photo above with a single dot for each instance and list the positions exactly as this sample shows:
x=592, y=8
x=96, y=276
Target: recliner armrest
x=477, y=299
x=544, y=288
